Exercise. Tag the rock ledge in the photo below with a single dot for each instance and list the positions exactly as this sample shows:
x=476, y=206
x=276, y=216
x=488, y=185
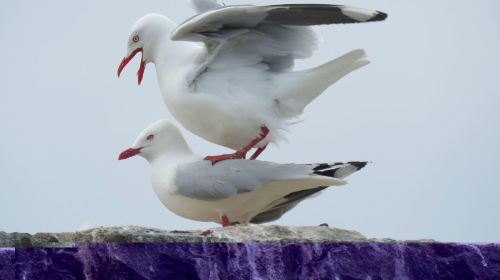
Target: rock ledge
x=240, y=252
x=135, y=234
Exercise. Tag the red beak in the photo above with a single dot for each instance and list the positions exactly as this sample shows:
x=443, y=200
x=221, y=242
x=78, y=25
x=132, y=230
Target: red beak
x=127, y=59
x=129, y=153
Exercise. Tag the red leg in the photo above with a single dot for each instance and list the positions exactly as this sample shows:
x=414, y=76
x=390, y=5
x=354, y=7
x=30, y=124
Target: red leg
x=258, y=152
x=264, y=132
x=215, y=159
x=225, y=221
x=241, y=154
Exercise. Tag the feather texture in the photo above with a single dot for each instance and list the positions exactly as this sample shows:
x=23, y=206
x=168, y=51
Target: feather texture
x=205, y=5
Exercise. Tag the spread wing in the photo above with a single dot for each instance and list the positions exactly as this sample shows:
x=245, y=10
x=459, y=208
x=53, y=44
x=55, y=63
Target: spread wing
x=251, y=41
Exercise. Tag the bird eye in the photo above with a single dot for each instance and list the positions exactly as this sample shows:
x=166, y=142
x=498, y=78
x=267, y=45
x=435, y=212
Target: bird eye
x=150, y=137
x=135, y=39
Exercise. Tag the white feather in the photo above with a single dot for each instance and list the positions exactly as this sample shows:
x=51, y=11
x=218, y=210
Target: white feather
x=227, y=72
x=239, y=189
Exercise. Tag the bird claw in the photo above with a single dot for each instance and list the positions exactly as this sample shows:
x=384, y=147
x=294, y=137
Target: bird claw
x=225, y=221
x=241, y=154
x=216, y=159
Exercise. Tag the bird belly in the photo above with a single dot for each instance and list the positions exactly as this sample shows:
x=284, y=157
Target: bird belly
x=211, y=211
x=238, y=208
x=189, y=208
x=224, y=122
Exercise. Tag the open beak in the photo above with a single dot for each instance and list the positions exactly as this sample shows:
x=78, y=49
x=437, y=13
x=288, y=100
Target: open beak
x=127, y=59
x=129, y=153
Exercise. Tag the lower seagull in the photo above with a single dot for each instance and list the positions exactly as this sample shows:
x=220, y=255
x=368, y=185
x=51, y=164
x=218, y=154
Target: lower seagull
x=233, y=191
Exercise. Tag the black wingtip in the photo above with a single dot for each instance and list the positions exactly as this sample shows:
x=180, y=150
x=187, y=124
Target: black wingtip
x=381, y=16
x=358, y=164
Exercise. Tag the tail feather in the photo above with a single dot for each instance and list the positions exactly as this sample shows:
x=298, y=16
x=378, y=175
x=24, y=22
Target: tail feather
x=279, y=207
x=330, y=72
x=305, y=86
x=339, y=170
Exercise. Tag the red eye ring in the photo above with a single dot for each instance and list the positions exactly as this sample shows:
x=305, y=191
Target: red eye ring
x=150, y=137
x=135, y=39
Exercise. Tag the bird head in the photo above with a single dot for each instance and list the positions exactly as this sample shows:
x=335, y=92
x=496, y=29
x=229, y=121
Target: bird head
x=157, y=139
x=146, y=34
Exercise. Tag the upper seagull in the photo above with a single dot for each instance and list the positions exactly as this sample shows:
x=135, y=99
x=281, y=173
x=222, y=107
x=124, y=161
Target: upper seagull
x=226, y=73
x=233, y=191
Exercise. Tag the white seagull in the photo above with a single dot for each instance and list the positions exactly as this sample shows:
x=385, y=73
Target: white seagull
x=226, y=73
x=233, y=191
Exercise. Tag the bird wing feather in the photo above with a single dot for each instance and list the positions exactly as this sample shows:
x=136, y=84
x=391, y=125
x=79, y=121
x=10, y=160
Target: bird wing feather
x=200, y=180
x=251, y=41
x=205, y=5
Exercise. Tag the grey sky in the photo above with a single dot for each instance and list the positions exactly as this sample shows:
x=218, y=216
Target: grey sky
x=426, y=112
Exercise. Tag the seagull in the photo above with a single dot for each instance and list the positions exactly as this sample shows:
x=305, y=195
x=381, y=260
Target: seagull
x=226, y=74
x=232, y=191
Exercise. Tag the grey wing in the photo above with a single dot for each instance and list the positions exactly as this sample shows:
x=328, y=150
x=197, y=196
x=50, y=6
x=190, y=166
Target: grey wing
x=238, y=36
x=252, y=40
x=204, y=181
x=214, y=22
x=205, y=5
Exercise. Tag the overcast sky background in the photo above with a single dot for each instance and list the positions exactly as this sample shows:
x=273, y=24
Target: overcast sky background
x=426, y=112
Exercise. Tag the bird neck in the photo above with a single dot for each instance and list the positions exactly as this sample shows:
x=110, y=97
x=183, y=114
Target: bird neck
x=164, y=166
x=168, y=55
x=176, y=151
x=175, y=61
